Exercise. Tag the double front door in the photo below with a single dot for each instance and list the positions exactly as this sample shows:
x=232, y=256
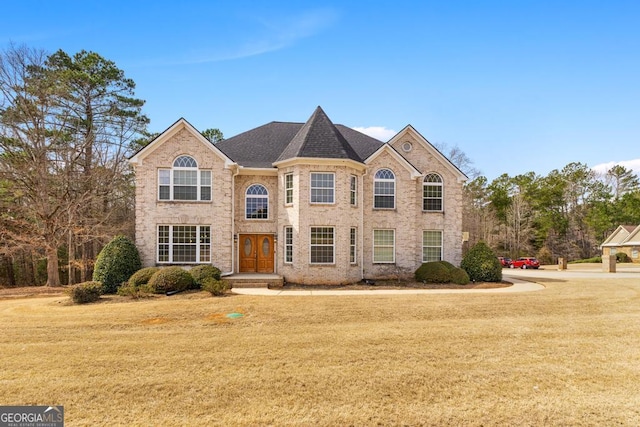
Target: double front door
x=256, y=253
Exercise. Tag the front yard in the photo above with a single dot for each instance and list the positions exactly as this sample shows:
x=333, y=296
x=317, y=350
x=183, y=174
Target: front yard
x=567, y=355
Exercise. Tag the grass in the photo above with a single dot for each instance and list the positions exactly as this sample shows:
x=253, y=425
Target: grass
x=567, y=355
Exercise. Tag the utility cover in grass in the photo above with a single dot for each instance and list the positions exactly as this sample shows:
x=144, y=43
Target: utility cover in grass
x=234, y=315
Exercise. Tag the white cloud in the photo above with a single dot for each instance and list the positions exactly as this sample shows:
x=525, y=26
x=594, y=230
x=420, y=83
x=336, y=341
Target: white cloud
x=377, y=132
x=634, y=165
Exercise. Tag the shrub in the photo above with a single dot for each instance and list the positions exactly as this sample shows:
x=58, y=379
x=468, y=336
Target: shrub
x=85, y=292
x=595, y=259
x=448, y=265
x=433, y=272
x=169, y=279
x=117, y=261
x=134, y=291
x=481, y=264
x=459, y=277
x=214, y=286
x=622, y=257
x=202, y=272
x=545, y=256
x=142, y=276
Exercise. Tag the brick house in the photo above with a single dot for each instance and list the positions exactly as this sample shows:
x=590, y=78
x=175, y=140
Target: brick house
x=625, y=239
x=313, y=202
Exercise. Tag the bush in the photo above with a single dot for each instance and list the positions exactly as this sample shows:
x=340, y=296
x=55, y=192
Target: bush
x=169, y=279
x=622, y=257
x=134, y=291
x=202, y=272
x=142, y=276
x=481, y=264
x=448, y=265
x=85, y=292
x=433, y=272
x=595, y=259
x=545, y=256
x=214, y=286
x=117, y=261
x=459, y=277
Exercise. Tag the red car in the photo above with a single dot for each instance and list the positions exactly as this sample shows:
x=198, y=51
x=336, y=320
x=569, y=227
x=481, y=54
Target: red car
x=505, y=262
x=525, y=262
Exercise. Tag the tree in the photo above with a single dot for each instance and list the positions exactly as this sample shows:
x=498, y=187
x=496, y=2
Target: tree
x=622, y=181
x=213, y=135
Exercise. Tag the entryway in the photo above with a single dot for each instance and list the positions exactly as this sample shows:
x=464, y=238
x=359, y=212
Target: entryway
x=256, y=253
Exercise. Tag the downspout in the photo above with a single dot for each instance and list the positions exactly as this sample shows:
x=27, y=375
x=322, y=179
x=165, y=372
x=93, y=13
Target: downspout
x=233, y=222
x=361, y=237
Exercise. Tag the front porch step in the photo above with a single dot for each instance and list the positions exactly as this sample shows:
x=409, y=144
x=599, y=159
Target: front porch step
x=255, y=281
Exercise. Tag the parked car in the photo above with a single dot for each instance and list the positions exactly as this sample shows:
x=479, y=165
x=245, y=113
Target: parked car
x=506, y=262
x=525, y=262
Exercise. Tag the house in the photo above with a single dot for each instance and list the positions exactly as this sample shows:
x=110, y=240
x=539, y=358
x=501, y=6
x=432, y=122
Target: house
x=314, y=202
x=625, y=239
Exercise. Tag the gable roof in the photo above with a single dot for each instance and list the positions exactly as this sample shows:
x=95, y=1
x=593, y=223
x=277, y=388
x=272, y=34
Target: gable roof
x=432, y=149
x=279, y=141
x=624, y=235
x=180, y=124
x=387, y=148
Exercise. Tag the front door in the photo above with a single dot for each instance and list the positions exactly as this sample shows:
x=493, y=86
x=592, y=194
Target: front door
x=256, y=253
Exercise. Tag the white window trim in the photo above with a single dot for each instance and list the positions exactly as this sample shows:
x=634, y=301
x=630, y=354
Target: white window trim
x=373, y=243
x=256, y=196
x=333, y=245
x=353, y=245
x=311, y=188
x=197, y=244
x=353, y=191
x=288, y=229
x=441, y=185
x=288, y=190
x=199, y=185
x=395, y=190
x=441, y=245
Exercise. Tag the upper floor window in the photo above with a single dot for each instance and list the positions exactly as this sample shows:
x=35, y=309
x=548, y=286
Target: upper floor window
x=322, y=187
x=184, y=181
x=288, y=189
x=353, y=193
x=384, y=189
x=432, y=193
x=256, y=202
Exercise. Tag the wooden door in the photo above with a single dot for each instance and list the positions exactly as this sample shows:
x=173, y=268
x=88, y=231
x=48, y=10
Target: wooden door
x=256, y=253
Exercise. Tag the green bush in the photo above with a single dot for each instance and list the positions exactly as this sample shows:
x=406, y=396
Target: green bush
x=595, y=259
x=142, y=276
x=169, y=279
x=85, y=292
x=134, y=291
x=117, y=261
x=622, y=257
x=460, y=277
x=214, y=286
x=433, y=272
x=202, y=272
x=449, y=266
x=481, y=264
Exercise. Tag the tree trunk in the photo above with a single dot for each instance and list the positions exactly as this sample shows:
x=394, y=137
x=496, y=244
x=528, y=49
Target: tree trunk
x=53, y=274
x=11, y=277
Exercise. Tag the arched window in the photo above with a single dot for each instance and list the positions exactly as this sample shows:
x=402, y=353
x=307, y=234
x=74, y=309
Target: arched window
x=184, y=181
x=257, y=202
x=384, y=190
x=432, y=192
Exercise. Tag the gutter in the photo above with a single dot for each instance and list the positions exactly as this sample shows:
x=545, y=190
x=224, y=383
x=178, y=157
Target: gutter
x=233, y=223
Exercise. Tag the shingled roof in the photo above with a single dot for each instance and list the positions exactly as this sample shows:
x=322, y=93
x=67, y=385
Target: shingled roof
x=317, y=138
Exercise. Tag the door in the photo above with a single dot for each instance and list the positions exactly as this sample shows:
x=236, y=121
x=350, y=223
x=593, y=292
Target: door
x=256, y=253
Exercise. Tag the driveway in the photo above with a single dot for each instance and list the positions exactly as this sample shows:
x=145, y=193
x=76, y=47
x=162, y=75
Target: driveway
x=575, y=271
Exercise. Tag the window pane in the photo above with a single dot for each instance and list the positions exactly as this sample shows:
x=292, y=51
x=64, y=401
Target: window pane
x=384, y=246
x=382, y=254
x=288, y=244
x=185, y=162
x=322, y=188
x=185, y=177
x=205, y=178
x=384, y=202
x=185, y=193
x=165, y=192
x=431, y=245
x=164, y=177
x=257, y=208
x=321, y=245
x=205, y=193
x=288, y=185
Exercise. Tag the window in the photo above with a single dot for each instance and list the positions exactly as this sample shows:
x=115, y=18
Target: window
x=352, y=245
x=384, y=246
x=184, y=181
x=384, y=190
x=353, y=195
x=322, y=187
x=188, y=244
x=288, y=189
x=322, y=245
x=431, y=245
x=288, y=245
x=256, y=202
x=432, y=193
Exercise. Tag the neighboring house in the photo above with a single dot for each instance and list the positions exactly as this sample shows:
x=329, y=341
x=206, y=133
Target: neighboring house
x=626, y=238
x=314, y=202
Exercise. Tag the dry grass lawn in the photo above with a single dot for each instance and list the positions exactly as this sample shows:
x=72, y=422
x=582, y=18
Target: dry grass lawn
x=567, y=355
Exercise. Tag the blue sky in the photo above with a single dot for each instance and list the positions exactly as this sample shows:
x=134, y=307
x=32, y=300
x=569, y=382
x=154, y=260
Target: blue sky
x=519, y=86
